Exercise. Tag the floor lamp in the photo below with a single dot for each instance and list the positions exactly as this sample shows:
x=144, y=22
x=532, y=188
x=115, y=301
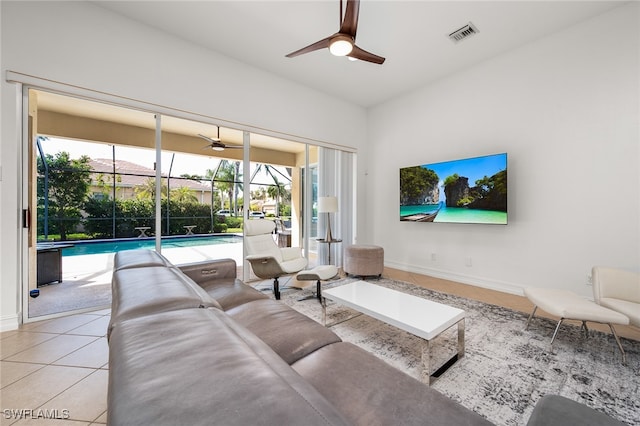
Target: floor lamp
x=328, y=205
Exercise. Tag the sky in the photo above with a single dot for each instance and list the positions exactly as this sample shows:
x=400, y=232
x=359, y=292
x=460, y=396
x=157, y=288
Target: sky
x=472, y=168
x=182, y=164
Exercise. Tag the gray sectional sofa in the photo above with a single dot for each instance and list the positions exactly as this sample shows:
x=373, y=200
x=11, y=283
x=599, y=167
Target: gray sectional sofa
x=193, y=346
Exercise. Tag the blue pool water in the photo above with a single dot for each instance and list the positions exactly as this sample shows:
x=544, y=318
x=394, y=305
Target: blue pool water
x=112, y=246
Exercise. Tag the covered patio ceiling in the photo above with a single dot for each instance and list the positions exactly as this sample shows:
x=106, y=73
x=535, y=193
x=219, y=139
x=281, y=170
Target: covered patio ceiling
x=73, y=118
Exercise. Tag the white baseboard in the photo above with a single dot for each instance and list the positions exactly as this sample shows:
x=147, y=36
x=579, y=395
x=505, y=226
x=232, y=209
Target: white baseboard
x=502, y=286
x=10, y=322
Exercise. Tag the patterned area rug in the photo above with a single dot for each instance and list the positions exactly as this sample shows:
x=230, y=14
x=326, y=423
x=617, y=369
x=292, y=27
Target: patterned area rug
x=506, y=369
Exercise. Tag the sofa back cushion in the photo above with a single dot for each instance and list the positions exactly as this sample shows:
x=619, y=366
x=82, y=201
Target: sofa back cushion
x=151, y=289
x=206, y=271
x=137, y=259
x=197, y=367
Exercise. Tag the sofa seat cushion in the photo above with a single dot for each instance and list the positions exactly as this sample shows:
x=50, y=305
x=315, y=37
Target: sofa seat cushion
x=556, y=410
x=368, y=391
x=628, y=308
x=196, y=367
x=153, y=289
x=232, y=292
x=289, y=333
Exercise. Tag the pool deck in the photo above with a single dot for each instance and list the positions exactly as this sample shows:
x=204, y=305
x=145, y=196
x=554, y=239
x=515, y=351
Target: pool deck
x=86, y=279
x=99, y=266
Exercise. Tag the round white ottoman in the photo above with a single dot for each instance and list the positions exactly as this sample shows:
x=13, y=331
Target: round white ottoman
x=363, y=260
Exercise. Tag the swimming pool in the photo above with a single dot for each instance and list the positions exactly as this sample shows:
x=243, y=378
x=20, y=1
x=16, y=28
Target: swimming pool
x=112, y=246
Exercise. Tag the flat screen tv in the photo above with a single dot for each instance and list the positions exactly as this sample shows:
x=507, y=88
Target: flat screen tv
x=470, y=190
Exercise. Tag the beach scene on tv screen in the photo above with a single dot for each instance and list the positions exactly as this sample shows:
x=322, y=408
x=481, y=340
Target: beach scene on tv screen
x=470, y=190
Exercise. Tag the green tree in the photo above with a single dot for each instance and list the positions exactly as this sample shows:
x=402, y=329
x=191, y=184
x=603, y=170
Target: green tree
x=451, y=179
x=104, y=181
x=414, y=181
x=192, y=177
x=237, y=186
x=68, y=182
x=183, y=194
x=147, y=191
x=214, y=206
x=100, y=211
x=259, y=194
x=227, y=180
x=279, y=193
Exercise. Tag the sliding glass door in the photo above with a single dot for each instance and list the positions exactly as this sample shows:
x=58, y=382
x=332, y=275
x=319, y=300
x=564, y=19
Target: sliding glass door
x=102, y=178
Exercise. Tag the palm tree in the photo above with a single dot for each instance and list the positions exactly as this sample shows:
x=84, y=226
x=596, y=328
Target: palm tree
x=277, y=191
x=147, y=191
x=237, y=186
x=259, y=194
x=226, y=180
x=183, y=194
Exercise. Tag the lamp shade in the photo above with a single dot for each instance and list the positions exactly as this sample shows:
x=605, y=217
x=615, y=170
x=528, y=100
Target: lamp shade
x=327, y=204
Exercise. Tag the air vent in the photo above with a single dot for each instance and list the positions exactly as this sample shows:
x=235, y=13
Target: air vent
x=465, y=32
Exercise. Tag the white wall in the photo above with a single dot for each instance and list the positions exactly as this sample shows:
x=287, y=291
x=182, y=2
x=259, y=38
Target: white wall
x=81, y=44
x=565, y=108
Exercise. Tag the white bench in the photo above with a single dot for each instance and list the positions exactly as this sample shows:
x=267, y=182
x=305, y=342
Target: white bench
x=568, y=305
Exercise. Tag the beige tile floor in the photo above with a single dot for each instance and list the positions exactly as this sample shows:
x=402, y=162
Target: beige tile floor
x=54, y=372
x=59, y=366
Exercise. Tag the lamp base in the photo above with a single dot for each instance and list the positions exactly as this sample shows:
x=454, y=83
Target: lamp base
x=328, y=237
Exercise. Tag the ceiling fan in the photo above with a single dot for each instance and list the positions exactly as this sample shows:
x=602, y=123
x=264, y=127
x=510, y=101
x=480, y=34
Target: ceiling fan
x=216, y=143
x=343, y=43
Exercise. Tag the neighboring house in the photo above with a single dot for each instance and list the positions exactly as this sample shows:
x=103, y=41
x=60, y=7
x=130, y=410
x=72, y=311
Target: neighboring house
x=130, y=176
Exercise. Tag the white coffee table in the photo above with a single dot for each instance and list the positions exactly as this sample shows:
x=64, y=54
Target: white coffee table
x=421, y=317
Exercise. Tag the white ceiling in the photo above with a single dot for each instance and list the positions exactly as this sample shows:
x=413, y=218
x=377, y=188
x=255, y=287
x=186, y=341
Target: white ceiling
x=412, y=35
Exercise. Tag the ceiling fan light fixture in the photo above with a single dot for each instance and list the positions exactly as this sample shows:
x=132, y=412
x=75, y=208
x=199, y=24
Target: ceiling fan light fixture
x=217, y=148
x=341, y=45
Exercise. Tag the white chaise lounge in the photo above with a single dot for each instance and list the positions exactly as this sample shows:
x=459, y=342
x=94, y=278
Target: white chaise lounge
x=619, y=290
x=568, y=305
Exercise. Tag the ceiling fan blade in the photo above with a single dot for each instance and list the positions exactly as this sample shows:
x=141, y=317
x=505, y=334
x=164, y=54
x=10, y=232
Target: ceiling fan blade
x=350, y=22
x=233, y=147
x=312, y=47
x=363, y=55
x=207, y=138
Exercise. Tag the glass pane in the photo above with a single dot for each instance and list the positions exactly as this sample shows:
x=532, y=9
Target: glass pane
x=275, y=186
x=202, y=191
x=201, y=186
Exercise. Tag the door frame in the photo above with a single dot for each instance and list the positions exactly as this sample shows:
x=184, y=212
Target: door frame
x=28, y=199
